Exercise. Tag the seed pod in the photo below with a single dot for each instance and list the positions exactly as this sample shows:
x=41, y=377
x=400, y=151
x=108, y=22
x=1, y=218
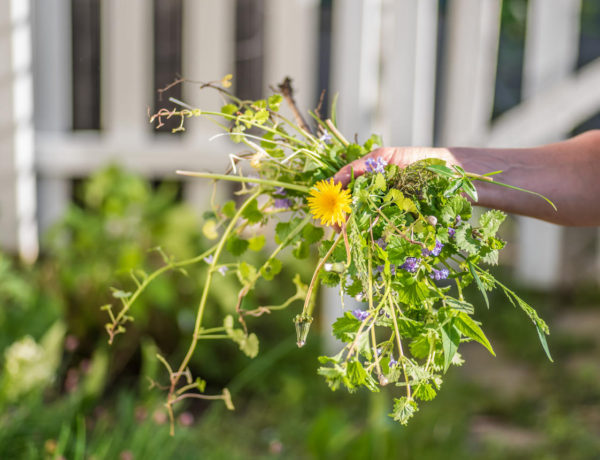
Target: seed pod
x=432, y=220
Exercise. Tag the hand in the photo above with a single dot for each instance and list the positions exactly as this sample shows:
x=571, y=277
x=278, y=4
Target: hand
x=400, y=156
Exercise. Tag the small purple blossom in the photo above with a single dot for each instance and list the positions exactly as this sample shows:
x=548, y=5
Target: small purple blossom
x=393, y=270
x=381, y=243
x=451, y=232
x=379, y=269
x=283, y=203
x=393, y=362
x=411, y=264
x=458, y=220
x=379, y=350
x=439, y=274
x=279, y=191
x=360, y=315
x=435, y=251
x=376, y=165
x=209, y=259
x=222, y=270
x=326, y=137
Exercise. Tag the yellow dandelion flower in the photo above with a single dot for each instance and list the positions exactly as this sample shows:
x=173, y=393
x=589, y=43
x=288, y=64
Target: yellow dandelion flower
x=329, y=202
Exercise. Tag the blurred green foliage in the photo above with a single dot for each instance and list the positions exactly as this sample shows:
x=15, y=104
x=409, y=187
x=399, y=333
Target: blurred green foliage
x=63, y=392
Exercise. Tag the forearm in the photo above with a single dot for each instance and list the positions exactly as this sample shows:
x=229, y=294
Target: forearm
x=567, y=172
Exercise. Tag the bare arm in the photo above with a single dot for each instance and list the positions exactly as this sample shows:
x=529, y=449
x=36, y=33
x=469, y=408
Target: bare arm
x=566, y=172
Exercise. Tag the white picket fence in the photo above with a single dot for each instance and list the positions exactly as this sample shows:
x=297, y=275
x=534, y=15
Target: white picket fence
x=384, y=55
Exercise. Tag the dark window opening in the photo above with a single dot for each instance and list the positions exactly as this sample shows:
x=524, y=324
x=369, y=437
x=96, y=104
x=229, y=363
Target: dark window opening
x=249, y=49
x=85, y=25
x=168, y=15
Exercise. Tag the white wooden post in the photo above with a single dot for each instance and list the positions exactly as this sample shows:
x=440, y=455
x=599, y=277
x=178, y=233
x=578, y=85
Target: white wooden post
x=355, y=59
x=208, y=55
x=355, y=55
x=126, y=60
x=470, y=70
x=408, y=77
x=53, y=98
x=18, y=229
x=291, y=49
x=550, y=55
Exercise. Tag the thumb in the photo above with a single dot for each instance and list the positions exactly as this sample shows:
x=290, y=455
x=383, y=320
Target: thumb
x=344, y=175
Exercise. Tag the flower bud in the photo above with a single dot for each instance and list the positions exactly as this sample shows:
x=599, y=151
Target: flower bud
x=432, y=220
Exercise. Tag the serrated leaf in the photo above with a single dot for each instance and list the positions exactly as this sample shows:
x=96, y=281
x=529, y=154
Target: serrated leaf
x=379, y=184
x=357, y=376
x=425, y=392
x=404, y=409
x=345, y=327
x=490, y=222
x=464, y=240
x=274, y=101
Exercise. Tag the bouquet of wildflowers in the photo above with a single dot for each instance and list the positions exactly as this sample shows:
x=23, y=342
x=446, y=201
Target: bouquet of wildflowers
x=399, y=240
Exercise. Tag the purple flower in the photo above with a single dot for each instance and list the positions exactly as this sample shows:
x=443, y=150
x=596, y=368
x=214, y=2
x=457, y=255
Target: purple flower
x=435, y=251
x=360, y=315
x=451, y=232
x=381, y=243
x=379, y=269
x=411, y=264
x=439, y=274
x=279, y=191
x=326, y=137
x=222, y=270
x=393, y=362
x=209, y=259
x=393, y=269
x=376, y=165
x=283, y=203
x=458, y=220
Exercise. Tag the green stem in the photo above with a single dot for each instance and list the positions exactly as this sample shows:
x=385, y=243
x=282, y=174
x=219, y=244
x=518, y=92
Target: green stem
x=272, y=183
x=149, y=279
x=207, y=282
x=489, y=180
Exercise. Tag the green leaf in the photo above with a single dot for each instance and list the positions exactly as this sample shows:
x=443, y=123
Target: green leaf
x=358, y=376
x=302, y=250
x=425, y=392
x=469, y=328
x=490, y=222
x=252, y=213
x=256, y=243
x=236, y=246
x=270, y=269
x=261, y=116
x=379, y=184
x=229, y=209
x=480, y=285
x=470, y=189
x=453, y=187
x=465, y=241
x=274, y=101
x=249, y=345
x=442, y=170
x=450, y=341
x=404, y=409
x=209, y=229
x=246, y=273
x=229, y=109
x=542, y=337
x=346, y=327
x=312, y=234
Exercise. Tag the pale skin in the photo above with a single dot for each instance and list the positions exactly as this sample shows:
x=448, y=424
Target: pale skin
x=567, y=172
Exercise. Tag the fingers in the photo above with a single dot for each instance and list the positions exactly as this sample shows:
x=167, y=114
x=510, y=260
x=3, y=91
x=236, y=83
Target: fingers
x=344, y=175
